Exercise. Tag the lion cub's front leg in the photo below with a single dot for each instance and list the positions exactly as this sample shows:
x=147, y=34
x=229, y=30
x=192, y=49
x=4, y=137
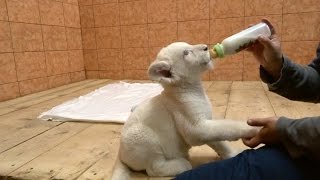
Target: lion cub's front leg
x=223, y=149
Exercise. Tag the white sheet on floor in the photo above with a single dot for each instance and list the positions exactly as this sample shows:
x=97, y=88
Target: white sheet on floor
x=111, y=103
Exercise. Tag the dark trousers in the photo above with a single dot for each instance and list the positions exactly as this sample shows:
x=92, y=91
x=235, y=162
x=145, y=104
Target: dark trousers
x=265, y=163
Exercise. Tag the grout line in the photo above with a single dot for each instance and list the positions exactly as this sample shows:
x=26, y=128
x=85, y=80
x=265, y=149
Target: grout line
x=78, y=71
x=45, y=56
x=121, y=42
x=270, y=103
x=13, y=53
x=281, y=24
x=228, y=99
x=95, y=40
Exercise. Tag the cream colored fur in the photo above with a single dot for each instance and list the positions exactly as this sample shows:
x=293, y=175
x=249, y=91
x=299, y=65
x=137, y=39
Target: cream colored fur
x=160, y=131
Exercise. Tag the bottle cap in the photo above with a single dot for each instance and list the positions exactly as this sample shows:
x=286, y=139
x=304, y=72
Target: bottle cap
x=219, y=50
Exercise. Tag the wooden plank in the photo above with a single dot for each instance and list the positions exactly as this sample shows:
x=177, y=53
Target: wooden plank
x=27, y=151
x=24, y=125
x=246, y=85
x=206, y=84
x=291, y=109
x=247, y=100
x=103, y=168
x=72, y=157
x=219, y=85
x=37, y=100
x=218, y=94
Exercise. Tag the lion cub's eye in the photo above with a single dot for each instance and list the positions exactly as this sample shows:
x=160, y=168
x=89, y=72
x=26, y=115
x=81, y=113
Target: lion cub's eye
x=185, y=52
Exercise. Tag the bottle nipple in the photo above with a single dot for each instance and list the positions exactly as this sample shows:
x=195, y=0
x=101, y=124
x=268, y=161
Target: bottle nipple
x=217, y=51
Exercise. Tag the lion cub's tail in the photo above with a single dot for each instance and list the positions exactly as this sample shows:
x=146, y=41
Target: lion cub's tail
x=120, y=171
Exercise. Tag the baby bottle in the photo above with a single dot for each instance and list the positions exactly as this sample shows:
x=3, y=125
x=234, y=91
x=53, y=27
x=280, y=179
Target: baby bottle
x=240, y=41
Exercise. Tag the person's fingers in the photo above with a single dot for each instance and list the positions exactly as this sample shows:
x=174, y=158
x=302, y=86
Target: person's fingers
x=253, y=142
x=258, y=121
x=266, y=42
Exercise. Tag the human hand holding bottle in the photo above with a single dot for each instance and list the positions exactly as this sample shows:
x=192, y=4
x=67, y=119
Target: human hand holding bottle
x=267, y=52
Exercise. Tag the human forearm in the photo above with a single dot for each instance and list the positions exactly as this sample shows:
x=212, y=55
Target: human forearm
x=301, y=137
x=296, y=82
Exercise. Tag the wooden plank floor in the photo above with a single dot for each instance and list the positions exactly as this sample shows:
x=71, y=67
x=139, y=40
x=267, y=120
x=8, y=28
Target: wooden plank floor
x=34, y=149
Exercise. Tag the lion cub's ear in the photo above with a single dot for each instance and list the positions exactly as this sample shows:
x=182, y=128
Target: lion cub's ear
x=160, y=71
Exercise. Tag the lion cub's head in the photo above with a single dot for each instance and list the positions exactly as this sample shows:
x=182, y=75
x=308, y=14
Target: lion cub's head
x=180, y=62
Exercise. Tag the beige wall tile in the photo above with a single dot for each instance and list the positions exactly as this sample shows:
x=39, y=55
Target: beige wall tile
x=110, y=59
x=58, y=80
x=227, y=8
x=103, y=1
x=262, y=7
x=7, y=68
x=54, y=38
x=223, y=28
x=194, y=32
x=3, y=10
x=250, y=68
x=251, y=74
x=135, y=58
x=51, y=12
x=9, y=91
x=76, y=60
x=75, y=2
x=26, y=37
x=296, y=6
x=106, y=15
x=5, y=37
x=230, y=62
x=162, y=34
x=90, y=59
x=301, y=52
x=108, y=37
x=111, y=74
x=86, y=16
x=85, y=2
x=134, y=36
x=193, y=9
x=23, y=11
x=249, y=59
x=77, y=76
x=162, y=11
x=136, y=74
x=57, y=62
x=30, y=65
x=92, y=74
x=153, y=52
x=294, y=26
x=88, y=38
x=134, y=12
x=226, y=74
x=74, y=38
x=33, y=85
x=71, y=15
x=126, y=0
x=205, y=76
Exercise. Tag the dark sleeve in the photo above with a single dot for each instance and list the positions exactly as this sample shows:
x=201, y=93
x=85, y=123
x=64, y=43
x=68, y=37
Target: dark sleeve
x=296, y=82
x=300, y=137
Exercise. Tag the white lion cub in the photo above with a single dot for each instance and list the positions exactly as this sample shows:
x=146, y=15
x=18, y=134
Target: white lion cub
x=160, y=131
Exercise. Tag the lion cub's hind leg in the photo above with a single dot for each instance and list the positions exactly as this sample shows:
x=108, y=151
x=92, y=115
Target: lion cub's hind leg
x=160, y=166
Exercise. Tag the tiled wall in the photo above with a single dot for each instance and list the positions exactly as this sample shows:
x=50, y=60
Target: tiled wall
x=40, y=46
x=44, y=45
x=120, y=38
